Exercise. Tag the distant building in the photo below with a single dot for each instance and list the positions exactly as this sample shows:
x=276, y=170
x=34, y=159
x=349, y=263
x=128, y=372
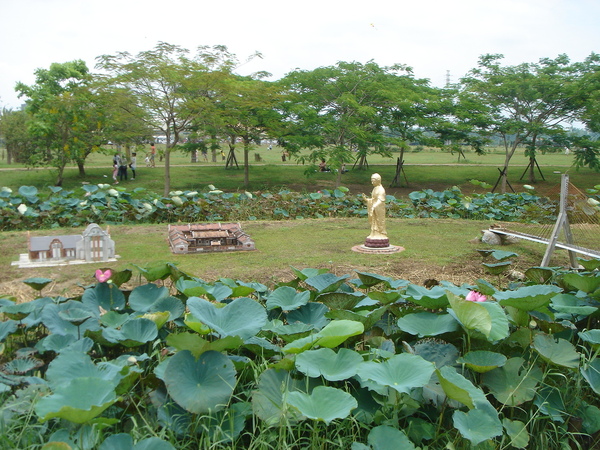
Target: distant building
x=211, y=237
x=93, y=245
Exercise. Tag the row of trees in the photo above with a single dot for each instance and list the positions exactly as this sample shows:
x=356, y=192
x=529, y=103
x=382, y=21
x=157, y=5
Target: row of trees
x=341, y=113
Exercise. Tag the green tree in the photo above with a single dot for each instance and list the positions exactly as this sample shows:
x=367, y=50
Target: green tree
x=338, y=112
x=64, y=118
x=524, y=102
x=14, y=133
x=171, y=89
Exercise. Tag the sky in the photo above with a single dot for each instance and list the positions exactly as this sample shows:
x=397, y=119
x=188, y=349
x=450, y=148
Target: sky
x=439, y=39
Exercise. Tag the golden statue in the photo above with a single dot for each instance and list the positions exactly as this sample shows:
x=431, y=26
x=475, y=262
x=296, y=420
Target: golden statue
x=376, y=210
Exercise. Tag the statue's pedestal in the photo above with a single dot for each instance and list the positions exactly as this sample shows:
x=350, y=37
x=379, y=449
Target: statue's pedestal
x=383, y=249
x=377, y=243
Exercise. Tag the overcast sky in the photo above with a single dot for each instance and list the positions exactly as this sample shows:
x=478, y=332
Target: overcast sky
x=431, y=36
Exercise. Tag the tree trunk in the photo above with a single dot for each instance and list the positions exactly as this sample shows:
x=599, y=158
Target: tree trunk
x=246, y=172
x=531, y=170
x=167, y=170
x=80, y=166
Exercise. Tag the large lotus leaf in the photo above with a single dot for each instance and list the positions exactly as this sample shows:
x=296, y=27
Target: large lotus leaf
x=323, y=403
x=427, y=324
x=143, y=297
x=528, y=298
x=242, y=317
x=500, y=327
x=497, y=268
x=340, y=300
x=71, y=365
x=170, y=304
x=589, y=264
x=338, y=331
x=591, y=417
x=226, y=425
x=196, y=325
x=113, y=319
x=372, y=279
x=155, y=271
x=28, y=191
x=124, y=441
x=196, y=345
x=287, y=299
x=401, y=372
x=191, y=288
x=557, y=351
x=79, y=401
x=434, y=298
x=312, y=314
x=18, y=311
x=326, y=282
x=54, y=342
x=385, y=437
x=307, y=273
x=386, y=297
x=585, y=283
x=159, y=318
x=301, y=344
x=592, y=337
x=550, y=403
x=200, y=385
x=514, y=383
x=133, y=333
x=568, y=305
x=478, y=425
x=76, y=315
x=37, y=283
x=591, y=373
x=482, y=361
x=459, y=388
x=471, y=315
x=55, y=324
x=367, y=317
x=327, y=363
x=501, y=255
x=539, y=275
x=517, y=431
x=7, y=328
x=218, y=292
x=269, y=400
x=435, y=351
x=104, y=295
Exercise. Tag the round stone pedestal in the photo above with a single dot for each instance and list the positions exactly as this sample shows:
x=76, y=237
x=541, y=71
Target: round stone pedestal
x=377, y=250
x=377, y=243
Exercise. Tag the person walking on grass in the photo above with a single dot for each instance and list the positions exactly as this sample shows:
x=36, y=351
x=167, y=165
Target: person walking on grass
x=133, y=165
x=116, y=164
x=123, y=169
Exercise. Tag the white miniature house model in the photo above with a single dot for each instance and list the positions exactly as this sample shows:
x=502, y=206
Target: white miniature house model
x=93, y=245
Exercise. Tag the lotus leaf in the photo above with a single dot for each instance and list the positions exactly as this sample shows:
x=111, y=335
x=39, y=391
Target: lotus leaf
x=340, y=300
x=435, y=351
x=123, y=441
x=191, y=288
x=386, y=297
x=196, y=345
x=366, y=317
x=242, y=317
x=104, y=295
x=52, y=320
x=458, y=388
x=568, y=305
x=172, y=305
x=514, y=383
x=200, y=385
x=471, y=315
x=7, y=328
x=497, y=268
x=549, y=400
x=159, y=318
x=327, y=363
x=589, y=264
x=143, y=297
x=312, y=313
x=384, y=437
x=269, y=400
x=372, y=279
x=500, y=327
x=287, y=299
x=591, y=373
x=592, y=337
x=338, y=331
x=478, y=425
x=557, y=351
x=401, y=372
x=482, y=361
x=427, y=324
x=326, y=282
x=324, y=403
x=586, y=283
x=71, y=365
x=37, y=283
x=517, y=431
x=434, y=298
x=307, y=273
x=79, y=401
x=195, y=324
x=528, y=298
x=501, y=255
x=539, y=275
x=133, y=333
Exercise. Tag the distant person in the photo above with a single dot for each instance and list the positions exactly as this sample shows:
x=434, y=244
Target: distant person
x=116, y=164
x=152, y=155
x=123, y=169
x=133, y=165
x=323, y=166
x=205, y=154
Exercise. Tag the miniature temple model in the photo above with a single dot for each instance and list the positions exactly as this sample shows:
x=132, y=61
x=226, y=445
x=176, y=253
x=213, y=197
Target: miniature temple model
x=211, y=237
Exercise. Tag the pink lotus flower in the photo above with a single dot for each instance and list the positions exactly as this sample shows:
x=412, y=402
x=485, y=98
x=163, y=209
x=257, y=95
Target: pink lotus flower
x=474, y=296
x=103, y=276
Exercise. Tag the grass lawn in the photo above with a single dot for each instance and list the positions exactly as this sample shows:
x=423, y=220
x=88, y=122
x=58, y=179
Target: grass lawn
x=434, y=249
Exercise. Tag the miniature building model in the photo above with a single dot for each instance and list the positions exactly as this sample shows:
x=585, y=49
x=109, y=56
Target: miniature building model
x=91, y=246
x=211, y=237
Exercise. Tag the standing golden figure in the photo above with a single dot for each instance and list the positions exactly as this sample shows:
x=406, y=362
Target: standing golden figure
x=376, y=209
